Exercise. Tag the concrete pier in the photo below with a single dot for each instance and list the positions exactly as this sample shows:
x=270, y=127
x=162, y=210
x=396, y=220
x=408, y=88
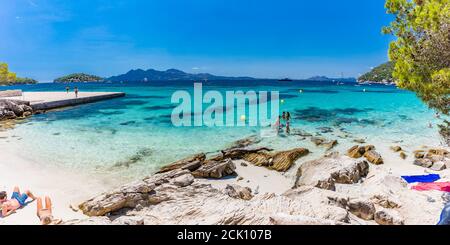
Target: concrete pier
x=54, y=100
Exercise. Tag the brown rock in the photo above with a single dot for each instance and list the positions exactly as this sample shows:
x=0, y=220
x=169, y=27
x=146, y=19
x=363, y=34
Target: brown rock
x=282, y=161
x=191, y=163
x=403, y=155
x=388, y=217
x=356, y=151
x=396, y=148
x=438, y=152
x=373, y=157
x=130, y=195
x=419, y=154
x=385, y=201
x=328, y=144
x=239, y=192
x=241, y=153
x=362, y=208
x=369, y=148
x=215, y=169
x=324, y=173
x=279, y=161
x=423, y=162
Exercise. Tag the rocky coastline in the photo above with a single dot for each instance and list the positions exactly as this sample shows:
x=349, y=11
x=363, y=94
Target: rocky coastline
x=351, y=189
x=13, y=111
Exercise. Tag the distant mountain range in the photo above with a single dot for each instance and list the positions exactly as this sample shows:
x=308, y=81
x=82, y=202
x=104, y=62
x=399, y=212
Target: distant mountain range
x=327, y=79
x=140, y=75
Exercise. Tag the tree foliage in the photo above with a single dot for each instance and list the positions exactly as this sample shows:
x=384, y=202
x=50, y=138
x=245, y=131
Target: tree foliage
x=421, y=51
x=10, y=78
x=6, y=77
x=78, y=77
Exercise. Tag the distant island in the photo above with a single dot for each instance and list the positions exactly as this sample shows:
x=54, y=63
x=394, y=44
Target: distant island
x=327, y=79
x=25, y=80
x=379, y=74
x=140, y=75
x=78, y=77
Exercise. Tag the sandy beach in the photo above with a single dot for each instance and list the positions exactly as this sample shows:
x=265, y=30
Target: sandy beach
x=64, y=188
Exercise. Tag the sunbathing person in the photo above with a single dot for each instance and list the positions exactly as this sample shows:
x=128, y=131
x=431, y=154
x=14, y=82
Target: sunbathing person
x=18, y=200
x=45, y=214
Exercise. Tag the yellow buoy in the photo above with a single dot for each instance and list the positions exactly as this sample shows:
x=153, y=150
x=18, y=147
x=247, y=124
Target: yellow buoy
x=243, y=117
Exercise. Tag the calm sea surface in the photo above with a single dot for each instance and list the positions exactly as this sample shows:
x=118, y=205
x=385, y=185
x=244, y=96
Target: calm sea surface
x=133, y=136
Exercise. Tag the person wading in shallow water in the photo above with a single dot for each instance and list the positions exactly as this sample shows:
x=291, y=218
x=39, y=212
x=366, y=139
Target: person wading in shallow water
x=288, y=122
x=277, y=125
x=67, y=89
x=76, y=92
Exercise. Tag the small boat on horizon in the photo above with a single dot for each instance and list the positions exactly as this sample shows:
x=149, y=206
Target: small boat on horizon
x=285, y=80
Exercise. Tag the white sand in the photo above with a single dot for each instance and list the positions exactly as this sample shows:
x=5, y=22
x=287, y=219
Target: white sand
x=257, y=178
x=64, y=188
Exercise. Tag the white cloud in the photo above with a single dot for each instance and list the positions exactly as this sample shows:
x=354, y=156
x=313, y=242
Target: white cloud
x=30, y=2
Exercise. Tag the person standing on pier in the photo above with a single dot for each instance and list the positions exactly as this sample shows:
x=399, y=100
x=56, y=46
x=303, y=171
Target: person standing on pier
x=76, y=92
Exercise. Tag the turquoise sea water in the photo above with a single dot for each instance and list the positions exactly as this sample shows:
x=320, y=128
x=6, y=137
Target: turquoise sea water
x=133, y=136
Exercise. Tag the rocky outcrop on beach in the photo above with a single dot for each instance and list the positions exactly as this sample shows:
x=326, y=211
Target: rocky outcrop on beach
x=215, y=169
x=13, y=109
x=368, y=152
x=434, y=159
x=131, y=195
x=279, y=161
x=326, y=172
x=332, y=190
x=190, y=163
x=157, y=200
x=222, y=165
x=161, y=201
x=322, y=142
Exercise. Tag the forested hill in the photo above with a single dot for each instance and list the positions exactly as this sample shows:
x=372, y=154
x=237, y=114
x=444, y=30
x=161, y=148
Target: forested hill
x=379, y=74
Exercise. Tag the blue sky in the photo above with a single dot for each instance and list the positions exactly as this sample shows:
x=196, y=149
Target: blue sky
x=44, y=39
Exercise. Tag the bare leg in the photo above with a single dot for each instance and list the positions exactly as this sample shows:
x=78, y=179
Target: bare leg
x=48, y=204
x=16, y=189
x=39, y=206
x=30, y=194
